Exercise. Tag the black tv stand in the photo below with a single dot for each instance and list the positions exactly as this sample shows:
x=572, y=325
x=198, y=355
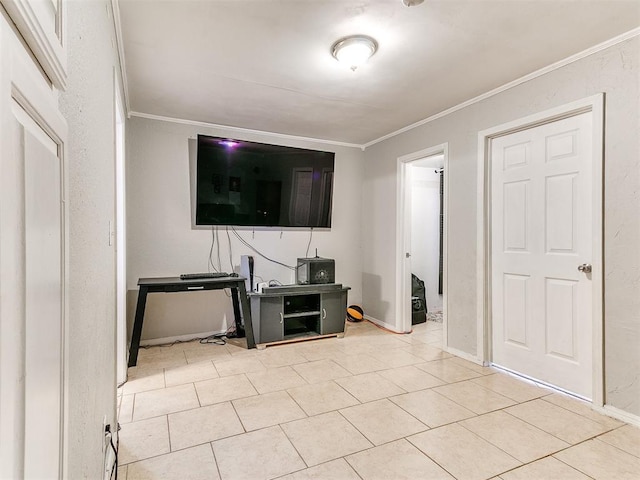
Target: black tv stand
x=298, y=312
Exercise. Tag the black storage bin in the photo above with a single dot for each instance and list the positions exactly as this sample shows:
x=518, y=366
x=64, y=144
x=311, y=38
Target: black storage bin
x=418, y=301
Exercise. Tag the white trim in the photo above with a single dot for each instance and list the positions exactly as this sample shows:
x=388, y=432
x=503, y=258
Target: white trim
x=594, y=104
x=383, y=324
x=543, y=71
x=243, y=130
x=46, y=45
x=618, y=414
x=117, y=25
x=403, y=297
x=464, y=355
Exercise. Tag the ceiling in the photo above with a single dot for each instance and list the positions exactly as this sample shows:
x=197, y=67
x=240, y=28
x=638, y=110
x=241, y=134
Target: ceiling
x=266, y=64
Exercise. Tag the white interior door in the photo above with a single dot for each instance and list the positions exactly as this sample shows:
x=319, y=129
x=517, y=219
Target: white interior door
x=541, y=233
x=33, y=273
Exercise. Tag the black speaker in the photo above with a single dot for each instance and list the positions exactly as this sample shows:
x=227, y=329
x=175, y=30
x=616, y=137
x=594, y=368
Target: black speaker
x=246, y=270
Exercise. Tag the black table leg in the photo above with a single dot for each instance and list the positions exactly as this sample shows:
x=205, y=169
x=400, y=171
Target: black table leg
x=236, y=313
x=246, y=312
x=137, y=326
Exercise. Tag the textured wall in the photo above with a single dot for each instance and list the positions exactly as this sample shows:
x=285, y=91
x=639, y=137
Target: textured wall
x=614, y=71
x=161, y=241
x=88, y=106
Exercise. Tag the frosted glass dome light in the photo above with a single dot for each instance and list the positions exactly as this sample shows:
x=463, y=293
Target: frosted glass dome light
x=354, y=51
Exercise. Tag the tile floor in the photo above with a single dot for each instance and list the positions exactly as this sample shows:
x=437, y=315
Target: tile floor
x=370, y=406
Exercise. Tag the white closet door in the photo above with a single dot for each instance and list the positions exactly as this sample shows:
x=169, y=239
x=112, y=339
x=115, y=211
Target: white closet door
x=33, y=273
x=541, y=232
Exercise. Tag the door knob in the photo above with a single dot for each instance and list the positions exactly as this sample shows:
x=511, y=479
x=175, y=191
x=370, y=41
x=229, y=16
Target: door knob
x=584, y=268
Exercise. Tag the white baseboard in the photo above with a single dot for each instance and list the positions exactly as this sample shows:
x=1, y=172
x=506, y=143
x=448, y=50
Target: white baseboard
x=618, y=414
x=179, y=338
x=383, y=324
x=466, y=356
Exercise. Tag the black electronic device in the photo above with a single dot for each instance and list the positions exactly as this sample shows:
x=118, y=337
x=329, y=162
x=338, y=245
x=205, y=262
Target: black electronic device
x=196, y=276
x=246, y=269
x=315, y=270
x=241, y=183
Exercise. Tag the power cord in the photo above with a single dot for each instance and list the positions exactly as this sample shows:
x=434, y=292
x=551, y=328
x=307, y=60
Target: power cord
x=114, y=467
x=248, y=245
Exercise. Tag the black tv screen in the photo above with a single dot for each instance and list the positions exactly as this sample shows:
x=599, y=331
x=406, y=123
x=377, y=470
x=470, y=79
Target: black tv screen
x=252, y=184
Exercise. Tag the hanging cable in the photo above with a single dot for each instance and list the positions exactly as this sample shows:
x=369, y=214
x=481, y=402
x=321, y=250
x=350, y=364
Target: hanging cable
x=230, y=251
x=252, y=248
x=306, y=255
x=210, y=264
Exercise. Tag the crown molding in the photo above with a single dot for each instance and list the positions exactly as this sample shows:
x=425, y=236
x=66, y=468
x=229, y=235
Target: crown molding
x=543, y=71
x=244, y=130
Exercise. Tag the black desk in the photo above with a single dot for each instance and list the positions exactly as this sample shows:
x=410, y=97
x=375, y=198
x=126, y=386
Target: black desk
x=174, y=284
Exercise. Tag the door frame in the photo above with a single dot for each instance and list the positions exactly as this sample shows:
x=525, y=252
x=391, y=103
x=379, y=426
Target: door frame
x=119, y=116
x=403, y=238
x=595, y=105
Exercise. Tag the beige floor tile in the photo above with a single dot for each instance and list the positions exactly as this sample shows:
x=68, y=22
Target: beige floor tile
x=259, y=455
x=336, y=469
x=204, y=424
x=224, y=389
x=601, y=461
x=320, y=371
x=396, y=357
x=235, y=366
x=369, y=386
x=125, y=413
x=266, y=410
x=322, y=397
x=557, y=421
x=448, y=371
x=511, y=387
x=177, y=466
x=280, y=356
x=427, y=352
x=207, y=352
x=168, y=400
x=357, y=364
x=545, y=469
x=519, y=439
x=274, y=379
x=382, y=421
x=152, y=381
x=474, y=397
x=411, y=378
x=161, y=357
x=431, y=408
x=582, y=408
x=325, y=437
x=143, y=439
x=190, y=373
x=122, y=472
x=321, y=349
x=397, y=460
x=625, y=438
x=462, y=453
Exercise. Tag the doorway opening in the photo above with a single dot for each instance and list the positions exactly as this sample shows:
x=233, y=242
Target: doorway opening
x=422, y=238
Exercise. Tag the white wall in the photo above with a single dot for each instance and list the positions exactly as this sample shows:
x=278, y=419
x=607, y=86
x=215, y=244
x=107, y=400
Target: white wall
x=425, y=231
x=615, y=71
x=88, y=106
x=162, y=242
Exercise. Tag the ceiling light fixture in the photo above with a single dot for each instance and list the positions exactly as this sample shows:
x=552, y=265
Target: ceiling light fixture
x=412, y=3
x=355, y=50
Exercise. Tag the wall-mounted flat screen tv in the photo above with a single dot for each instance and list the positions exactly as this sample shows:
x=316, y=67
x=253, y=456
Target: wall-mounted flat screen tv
x=251, y=184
